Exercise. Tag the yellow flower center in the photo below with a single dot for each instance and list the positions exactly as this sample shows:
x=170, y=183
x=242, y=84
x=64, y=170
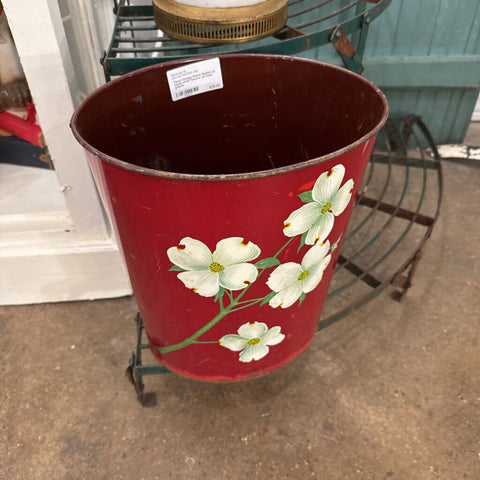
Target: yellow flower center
x=326, y=208
x=216, y=267
x=254, y=341
x=303, y=275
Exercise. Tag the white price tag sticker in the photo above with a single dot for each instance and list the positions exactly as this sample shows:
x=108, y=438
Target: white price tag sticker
x=195, y=78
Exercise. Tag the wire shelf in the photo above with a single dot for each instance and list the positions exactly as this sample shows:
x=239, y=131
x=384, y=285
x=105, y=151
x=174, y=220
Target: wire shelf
x=392, y=219
x=137, y=42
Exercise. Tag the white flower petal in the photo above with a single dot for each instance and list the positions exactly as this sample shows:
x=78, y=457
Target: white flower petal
x=327, y=184
x=253, y=330
x=287, y=297
x=190, y=254
x=342, y=197
x=253, y=352
x=236, y=277
x=284, y=275
x=321, y=229
x=315, y=262
x=315, y=274
x=277, y=300
x=203, y=282
x=234, y=250
x=315, y=254
x=302, y=219
x=234, y=343
x=273, y=337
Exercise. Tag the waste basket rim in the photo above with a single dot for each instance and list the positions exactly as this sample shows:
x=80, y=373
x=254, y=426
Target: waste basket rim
x=196, y=177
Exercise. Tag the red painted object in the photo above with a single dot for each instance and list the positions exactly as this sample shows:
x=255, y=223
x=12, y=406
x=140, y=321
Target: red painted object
x=27, y=129
x=231, y=205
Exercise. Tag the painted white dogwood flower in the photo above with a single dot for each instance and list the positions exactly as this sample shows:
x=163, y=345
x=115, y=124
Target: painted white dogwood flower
x=329, y=201
x=291, y=280
x=227, y=267
x=252, y=341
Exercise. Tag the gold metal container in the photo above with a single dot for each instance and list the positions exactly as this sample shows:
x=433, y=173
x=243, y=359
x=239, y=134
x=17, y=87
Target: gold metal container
x=220, y=25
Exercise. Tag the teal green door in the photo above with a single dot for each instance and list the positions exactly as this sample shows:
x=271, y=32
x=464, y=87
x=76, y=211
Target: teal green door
x=425, y=55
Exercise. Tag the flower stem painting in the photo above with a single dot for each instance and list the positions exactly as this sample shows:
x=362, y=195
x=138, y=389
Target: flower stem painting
x=226, y=274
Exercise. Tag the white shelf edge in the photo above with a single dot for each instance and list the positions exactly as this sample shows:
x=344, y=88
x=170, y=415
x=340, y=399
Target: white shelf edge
x=82, y=271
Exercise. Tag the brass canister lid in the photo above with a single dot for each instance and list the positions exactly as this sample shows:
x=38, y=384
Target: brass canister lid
x=220, y=25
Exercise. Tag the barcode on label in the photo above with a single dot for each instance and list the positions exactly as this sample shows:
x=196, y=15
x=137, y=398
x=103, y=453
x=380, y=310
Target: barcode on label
x=195, y=78
x=188, y=91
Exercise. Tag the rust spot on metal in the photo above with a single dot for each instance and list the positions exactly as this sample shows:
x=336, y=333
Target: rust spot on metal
x=399, y=280
x=288, y=32
x=342, y=43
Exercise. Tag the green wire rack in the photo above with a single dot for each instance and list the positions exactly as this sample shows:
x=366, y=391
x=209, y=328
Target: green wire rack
x=392, y=220
x=137, y=42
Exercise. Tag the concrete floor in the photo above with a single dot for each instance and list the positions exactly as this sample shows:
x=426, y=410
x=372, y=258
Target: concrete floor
x=389, y=392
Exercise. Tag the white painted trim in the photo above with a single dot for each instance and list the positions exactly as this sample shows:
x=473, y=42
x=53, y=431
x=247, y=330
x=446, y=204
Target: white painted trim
x=86, y=42
x=43, y=50
x=29, y=190
x=82, y=272
x=104, y=21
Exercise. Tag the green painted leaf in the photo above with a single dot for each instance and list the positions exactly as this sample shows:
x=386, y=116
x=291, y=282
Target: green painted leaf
x=174, y=268
x=268, y=262
x=219, y=294
x=302, y=298
x=268, y=298
x=302, y=241
x=335, y=245
x=306, y=197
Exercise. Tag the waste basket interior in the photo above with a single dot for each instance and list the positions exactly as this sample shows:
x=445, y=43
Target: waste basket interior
x=271, y=112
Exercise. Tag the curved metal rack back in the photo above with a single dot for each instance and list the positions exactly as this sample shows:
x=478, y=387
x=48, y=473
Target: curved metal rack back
x=396, y=212
x=137, y=42
x=400, y=200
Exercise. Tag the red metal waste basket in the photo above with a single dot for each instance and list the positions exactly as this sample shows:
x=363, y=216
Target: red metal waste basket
x=230, y=181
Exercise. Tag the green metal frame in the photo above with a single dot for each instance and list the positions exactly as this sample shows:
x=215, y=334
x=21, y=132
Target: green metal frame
x=303, y=32
x=412, y=129
x=136, y=370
